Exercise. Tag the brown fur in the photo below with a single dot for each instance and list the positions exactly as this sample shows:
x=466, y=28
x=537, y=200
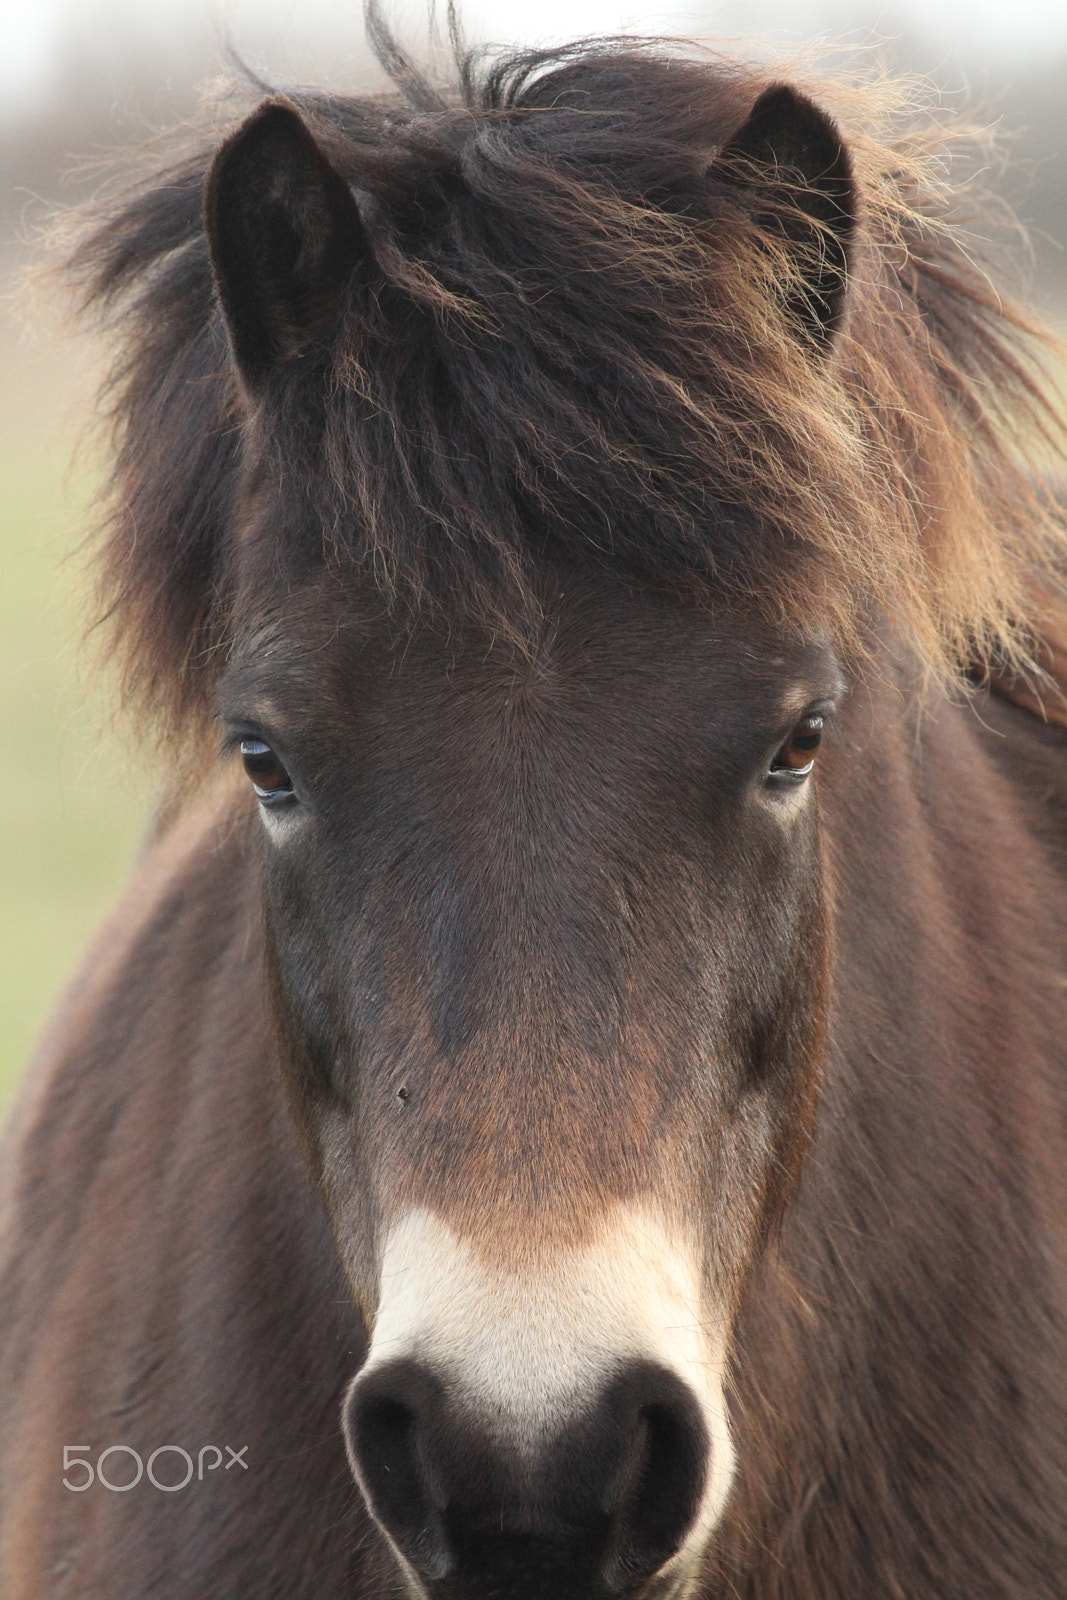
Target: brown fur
x=527, y=543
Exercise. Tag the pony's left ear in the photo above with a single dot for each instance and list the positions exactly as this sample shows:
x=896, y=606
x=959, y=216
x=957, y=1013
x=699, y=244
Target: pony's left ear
x=284, y=233
x=790, y=160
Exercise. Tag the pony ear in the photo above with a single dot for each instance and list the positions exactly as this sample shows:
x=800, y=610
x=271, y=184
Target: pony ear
x=284, y=233
x=791, y=160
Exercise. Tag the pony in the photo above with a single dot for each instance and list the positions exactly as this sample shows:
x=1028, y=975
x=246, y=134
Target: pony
x=572, y=1105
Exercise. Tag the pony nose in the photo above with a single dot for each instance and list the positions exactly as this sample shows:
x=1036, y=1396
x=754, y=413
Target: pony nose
x=590, y=1505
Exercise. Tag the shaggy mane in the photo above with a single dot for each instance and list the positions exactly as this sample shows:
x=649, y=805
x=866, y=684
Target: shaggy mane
x=570, y=346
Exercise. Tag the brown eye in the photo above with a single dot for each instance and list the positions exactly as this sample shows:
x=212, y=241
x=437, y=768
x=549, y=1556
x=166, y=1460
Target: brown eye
x=269, y=778
x=797, y=756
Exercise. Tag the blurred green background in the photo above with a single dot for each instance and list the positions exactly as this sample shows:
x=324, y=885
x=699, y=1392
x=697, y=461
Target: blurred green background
x=78, y=77
x=72, y=799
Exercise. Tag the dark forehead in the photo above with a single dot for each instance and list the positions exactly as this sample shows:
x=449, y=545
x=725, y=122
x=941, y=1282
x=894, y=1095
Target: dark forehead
x=331, y=645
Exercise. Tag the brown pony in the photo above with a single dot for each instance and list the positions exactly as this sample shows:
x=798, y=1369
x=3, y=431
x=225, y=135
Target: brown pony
x=556, y=1133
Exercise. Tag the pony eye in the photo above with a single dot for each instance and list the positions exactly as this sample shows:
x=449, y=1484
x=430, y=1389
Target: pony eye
x=269, y=778
x=797, y=756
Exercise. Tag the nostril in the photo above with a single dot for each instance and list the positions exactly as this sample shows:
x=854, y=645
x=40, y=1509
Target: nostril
x=384, y=1417
x=383, y=1439
x=661, y=1481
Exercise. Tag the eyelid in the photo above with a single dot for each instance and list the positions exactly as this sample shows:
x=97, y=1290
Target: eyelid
x=826, y=709
x=235, y=732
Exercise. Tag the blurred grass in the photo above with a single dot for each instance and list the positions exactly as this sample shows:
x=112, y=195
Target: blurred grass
x=73, y=810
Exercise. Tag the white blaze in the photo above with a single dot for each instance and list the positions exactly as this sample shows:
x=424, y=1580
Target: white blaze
x=528, y=1343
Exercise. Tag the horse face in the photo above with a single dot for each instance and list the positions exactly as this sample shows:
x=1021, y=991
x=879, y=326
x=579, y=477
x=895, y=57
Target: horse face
x=546, y=933
x=545, y=919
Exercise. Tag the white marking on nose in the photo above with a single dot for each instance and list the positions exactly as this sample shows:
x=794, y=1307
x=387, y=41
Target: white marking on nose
x=528, y=1343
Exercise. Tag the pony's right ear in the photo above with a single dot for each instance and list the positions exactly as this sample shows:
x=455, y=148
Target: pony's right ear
x=284, y=233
